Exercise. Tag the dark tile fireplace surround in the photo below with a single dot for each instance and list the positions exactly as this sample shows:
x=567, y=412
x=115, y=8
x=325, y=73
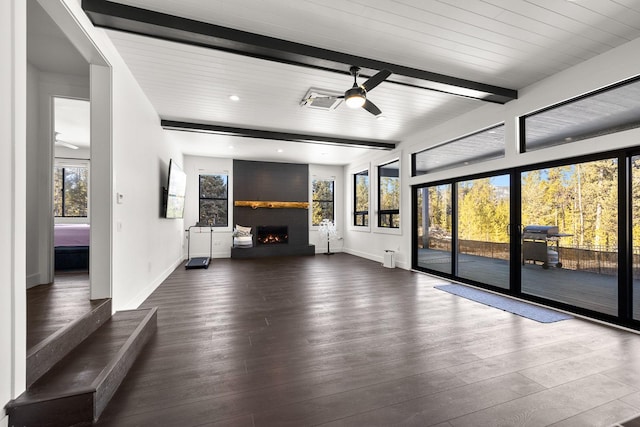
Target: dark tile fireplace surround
x=275, y=182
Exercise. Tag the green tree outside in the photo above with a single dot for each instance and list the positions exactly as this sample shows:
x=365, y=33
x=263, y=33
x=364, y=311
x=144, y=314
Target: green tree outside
x=322, y=206
x=483, y=212
x=362, y=199
x=214, y=206
x=70, y=191
x=581, y=200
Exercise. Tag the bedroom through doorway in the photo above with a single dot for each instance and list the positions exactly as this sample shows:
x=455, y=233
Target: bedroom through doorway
x=71, y=175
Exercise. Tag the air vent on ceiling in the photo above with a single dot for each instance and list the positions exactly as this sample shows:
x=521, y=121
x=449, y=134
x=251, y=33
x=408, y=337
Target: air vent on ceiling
x=321, y=99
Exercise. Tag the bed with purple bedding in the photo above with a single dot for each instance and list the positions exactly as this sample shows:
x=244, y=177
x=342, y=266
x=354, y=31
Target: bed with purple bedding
x=71, y=247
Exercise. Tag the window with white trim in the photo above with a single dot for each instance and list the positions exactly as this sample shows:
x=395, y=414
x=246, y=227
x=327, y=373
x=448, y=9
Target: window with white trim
x=389, y=195
x=323, y=203
x=71, y=189
x=361, y=199
x=214, y=200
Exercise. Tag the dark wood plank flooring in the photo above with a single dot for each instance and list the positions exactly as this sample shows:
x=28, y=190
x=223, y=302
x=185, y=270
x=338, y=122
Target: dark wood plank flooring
x=340, y=340
x=51, y=307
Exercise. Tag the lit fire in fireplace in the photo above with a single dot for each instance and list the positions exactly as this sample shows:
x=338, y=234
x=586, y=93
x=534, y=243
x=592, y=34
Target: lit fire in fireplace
x=271, y=235
x=274, y=238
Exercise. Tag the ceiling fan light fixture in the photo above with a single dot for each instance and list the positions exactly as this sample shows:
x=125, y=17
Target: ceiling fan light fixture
x=354, y=97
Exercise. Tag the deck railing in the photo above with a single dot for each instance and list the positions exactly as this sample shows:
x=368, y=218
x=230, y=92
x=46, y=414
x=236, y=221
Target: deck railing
x=594, y=259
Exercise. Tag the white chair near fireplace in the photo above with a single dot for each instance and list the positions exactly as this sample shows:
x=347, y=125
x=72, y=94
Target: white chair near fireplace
x=242, y=237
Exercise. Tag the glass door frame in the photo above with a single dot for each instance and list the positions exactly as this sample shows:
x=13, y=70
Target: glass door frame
x=414, y=235
x=625, y=235
x=453, y=275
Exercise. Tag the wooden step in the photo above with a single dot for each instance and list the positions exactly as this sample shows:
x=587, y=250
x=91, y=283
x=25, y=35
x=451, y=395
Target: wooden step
x=77, y=389
x=43, y=356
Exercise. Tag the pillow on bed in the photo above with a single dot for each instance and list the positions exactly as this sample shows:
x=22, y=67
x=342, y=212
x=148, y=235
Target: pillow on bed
x=242, y=231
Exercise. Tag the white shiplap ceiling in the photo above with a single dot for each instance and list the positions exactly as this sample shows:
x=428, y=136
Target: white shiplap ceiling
x=507, y=43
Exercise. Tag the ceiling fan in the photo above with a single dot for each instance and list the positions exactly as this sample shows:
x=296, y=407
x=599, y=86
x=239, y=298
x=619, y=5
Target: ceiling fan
x=62, y=143
x=356, y=97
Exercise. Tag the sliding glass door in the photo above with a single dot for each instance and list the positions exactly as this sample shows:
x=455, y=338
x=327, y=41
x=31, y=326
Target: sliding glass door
x=463, y=230
x=635, y=229
x=567, y=235
x=483, y=216
x=570, y=234
x=434, y=228
x=576, y=243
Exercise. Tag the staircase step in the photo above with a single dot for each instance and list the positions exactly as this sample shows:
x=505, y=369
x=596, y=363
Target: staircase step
x=43, y=356
x=77, y=389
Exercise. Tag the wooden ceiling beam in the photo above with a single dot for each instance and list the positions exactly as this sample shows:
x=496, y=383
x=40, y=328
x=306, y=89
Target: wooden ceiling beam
x=131, y=19
x=274, y=135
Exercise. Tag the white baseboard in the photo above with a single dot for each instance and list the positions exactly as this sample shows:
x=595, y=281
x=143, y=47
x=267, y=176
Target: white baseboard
x=378, y=258
x=33, y=280
x=144, y=293
x=364, y=255
x=324, y=250
x=216, y=254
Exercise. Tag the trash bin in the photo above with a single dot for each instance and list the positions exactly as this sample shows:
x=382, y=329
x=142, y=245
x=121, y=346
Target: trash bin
x=389, y=259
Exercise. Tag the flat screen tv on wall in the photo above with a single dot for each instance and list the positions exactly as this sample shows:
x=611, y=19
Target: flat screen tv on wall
x=176, y=188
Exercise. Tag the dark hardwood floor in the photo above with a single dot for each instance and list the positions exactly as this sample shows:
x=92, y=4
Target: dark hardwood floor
x=340, y=340
x=51, y=307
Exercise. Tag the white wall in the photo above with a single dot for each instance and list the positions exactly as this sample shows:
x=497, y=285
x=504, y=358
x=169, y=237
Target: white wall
x=611, y=67
x=146, y=246
x=371, y=242
x=34, y=274
x=13, y=107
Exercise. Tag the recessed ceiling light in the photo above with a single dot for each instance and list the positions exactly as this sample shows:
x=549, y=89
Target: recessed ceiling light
x=381, y=117
x=234, y=98
x=279, y=150
x=231, y=147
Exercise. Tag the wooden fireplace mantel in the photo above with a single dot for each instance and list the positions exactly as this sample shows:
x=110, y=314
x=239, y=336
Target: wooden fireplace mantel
x=255, y=204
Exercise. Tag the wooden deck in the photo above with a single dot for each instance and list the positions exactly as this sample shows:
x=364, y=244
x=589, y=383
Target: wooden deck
x=593, y=291
x=341, y=340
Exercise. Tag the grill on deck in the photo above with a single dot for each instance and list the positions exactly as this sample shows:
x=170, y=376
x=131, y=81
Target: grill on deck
x=540, y=245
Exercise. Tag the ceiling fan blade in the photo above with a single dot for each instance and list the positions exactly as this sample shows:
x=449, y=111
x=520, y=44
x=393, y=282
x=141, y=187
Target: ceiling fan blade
x=376, y=79
x=371, y=107
x=66, y=144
